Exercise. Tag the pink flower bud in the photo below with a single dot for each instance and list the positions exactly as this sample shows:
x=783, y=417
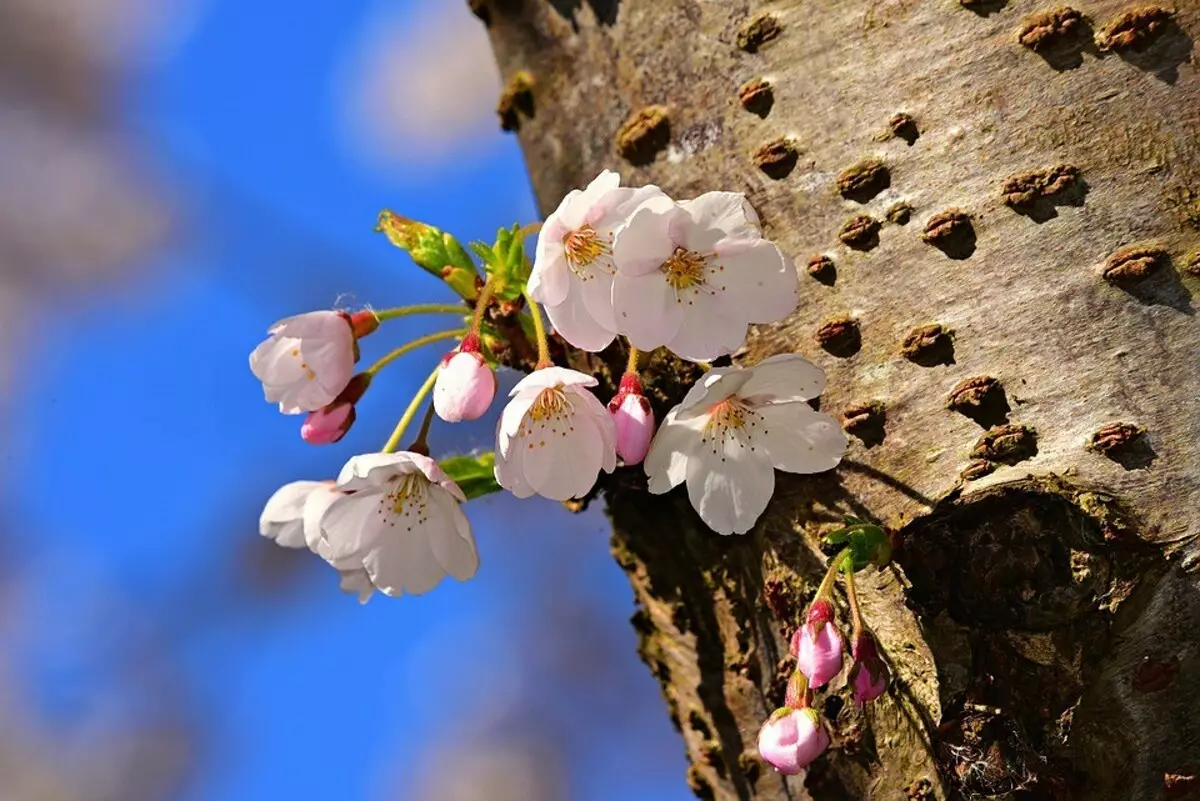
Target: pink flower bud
x=817, y=646
x=328, y=425
x=791, y=739
x=868, y=674
x=633, y=419
x=465, y=384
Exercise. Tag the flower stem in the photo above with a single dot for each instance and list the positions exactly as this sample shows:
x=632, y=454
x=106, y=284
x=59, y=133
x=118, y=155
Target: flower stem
x=408, y=346
x=421, y=308
x=420, y=444
x=540, y=328
x=852, y=597
x=632, y=367
x=410, y=412
x=835, y=565
x=481, y=303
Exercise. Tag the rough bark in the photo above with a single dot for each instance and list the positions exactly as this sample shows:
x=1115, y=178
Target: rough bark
x=1033, y=174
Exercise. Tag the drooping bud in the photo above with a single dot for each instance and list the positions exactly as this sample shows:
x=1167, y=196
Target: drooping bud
x=329, y=424
x=633, y=419
x=868, y=674
x=792, y=739
x=817, y=645
x=465, y=384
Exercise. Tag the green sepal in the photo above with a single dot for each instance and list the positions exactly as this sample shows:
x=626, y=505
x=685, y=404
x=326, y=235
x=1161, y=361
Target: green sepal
x=869, y=545
x=475, y=474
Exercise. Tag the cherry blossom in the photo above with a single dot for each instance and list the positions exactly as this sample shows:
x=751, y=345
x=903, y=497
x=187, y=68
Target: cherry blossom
x=306, y=361
x=817, y=646
x=733, y=429
x=792, y=739
x=398, y=519
x=694, y=275
x=633, y=419
x=554, y=436
x=573, y=266
x=465, y=384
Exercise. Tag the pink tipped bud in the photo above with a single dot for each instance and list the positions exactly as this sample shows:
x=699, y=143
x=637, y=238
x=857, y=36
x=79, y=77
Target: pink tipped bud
x=868, y=675
x=633, y=419
x=792, y=739
x=465, y=384
x=363, y=323
x=328, y=425
x=817, y=646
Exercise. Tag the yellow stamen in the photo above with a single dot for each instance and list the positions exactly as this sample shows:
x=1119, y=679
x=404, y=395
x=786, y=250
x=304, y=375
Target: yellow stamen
x=685, y=269
x=583, y=248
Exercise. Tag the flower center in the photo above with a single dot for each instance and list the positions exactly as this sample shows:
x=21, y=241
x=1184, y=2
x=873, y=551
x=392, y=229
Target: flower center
x=728, y=421
x=550, y=414
x=583, y=248
x=684, y=269
x=405, y=500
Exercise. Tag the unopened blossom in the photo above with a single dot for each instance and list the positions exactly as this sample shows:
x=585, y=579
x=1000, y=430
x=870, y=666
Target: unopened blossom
x=282, y=519
x=573, y=267
x=694, y=275
x=792, y=739
x=633, y=420
x=733, y=429
x=465, y=384
x=868, y=674
x=306, y=361
x=554, y=436
x=817, y=645
x=399, y=519
x=328, y=425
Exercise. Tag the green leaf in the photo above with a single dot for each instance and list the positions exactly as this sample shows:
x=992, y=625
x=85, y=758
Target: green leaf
x=869, y=545
x=434, y=251
x=474, y=473
x=485, y=254
x=837, y=537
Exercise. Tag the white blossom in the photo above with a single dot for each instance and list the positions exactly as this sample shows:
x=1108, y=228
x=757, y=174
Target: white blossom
x=733, y=429
x=306, y=361
x=692, y=276
x=398, y=519
x=573, y=267
x=554, y=436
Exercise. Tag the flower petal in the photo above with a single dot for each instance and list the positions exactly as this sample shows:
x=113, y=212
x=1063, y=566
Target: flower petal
x=369, y=470
x=708, y=331
x=799, y=439
x=561, y=465
x=452, y=542
x=648, y=312
x=356, y=582
x=510, y=469
x=550, y=279
x=405, y=562
x=673, y=445
x=729, y=484
x=315, y=507
x=730, y=212
x=645, y=242
x=761, y=281
x=574, y=323
x=713, y=387
x=783, y=378
x=596, y=294
x=282, y=517
x=353, y=524
x=551, y=377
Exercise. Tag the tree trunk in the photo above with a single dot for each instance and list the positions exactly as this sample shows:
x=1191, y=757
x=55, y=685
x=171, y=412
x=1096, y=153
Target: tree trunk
x=1002, y=197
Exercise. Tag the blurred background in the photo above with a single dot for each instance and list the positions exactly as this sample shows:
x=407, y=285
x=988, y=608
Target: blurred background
x=175, y=175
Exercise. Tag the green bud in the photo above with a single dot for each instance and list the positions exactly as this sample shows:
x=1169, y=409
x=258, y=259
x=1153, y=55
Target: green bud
x=434, y=251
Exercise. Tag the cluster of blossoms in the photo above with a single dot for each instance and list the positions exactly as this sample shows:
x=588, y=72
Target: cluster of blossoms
x=689, y=276
x=611, y=262
x=793, y=736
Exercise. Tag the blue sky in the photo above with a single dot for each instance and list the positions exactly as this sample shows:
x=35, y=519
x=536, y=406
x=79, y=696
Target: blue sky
x=162, y=451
